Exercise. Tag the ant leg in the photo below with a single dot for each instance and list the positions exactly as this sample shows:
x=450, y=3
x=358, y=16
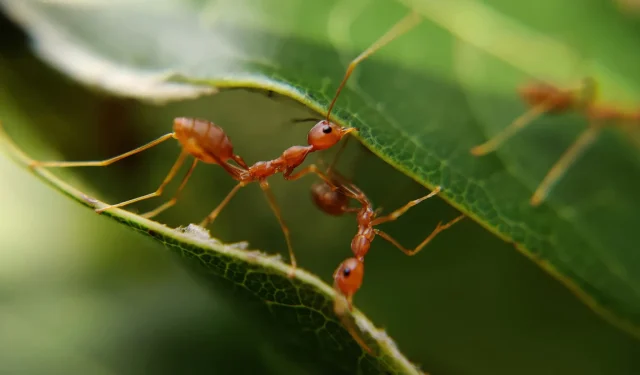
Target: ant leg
x=309, y=169
x=401, y=27
x=400, y=211
x=264, y=185
x=214, y=214
x=174, y=199
x=102, y=163
x=350, y=189
x=568, y=158
x=424, y=243
x=518, y=124
x=159, y=190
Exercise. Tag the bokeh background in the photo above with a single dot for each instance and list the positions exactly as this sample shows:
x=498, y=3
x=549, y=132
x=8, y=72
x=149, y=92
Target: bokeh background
x=80, y=293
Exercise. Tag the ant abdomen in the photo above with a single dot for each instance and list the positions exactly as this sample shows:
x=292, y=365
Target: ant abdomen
x=330, y=201
x=203, y=139
x=348, y=277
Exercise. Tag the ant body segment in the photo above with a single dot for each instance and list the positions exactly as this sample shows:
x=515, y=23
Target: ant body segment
x=545, y=98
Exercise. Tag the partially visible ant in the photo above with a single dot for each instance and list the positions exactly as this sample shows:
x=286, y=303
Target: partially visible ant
x=333, y=198
x=545, y=98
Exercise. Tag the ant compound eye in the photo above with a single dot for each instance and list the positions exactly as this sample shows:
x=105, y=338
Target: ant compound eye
x=346, y=271
x=324, y=135
x=348, y=277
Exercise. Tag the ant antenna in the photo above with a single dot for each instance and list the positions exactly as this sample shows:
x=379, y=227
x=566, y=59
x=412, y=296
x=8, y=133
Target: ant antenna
x=303, y=120
x=340, y=308
x=401, y=27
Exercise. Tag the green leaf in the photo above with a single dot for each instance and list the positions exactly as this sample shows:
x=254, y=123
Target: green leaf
x=421, y=114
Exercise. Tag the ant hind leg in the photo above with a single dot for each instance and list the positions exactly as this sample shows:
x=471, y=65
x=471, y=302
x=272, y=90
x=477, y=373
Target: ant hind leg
x=101, y=163
x=172, y=173
x=264, y=185
x=175, y=197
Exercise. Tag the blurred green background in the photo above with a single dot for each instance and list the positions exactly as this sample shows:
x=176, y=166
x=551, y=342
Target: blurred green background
x=82, y=294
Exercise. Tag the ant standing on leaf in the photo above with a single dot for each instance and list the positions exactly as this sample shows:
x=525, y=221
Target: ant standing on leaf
x=545, y=98
x=208, y=143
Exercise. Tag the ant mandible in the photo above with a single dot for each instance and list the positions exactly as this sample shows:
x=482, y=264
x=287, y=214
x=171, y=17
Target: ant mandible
x=546, y=98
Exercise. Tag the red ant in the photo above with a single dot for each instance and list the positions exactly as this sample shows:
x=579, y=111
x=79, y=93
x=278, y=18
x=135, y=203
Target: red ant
x=545, y=98
x=333, y=198
x=208, y=143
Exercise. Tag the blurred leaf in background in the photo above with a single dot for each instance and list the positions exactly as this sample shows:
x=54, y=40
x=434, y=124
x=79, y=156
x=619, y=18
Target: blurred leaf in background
x=470, y=304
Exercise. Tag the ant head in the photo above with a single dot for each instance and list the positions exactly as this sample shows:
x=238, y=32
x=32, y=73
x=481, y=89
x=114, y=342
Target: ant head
x=348, y=277
x=325, y=134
